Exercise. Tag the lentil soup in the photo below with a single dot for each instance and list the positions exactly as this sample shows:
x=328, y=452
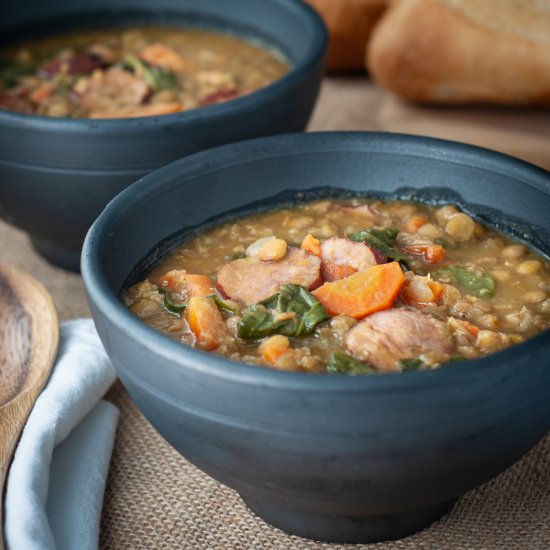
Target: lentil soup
x=136, y=72
x=348, y=286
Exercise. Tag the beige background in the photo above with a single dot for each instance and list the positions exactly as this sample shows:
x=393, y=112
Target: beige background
x=156, y=499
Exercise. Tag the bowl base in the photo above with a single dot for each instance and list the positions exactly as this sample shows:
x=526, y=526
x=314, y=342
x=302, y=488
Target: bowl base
x=60, y=256
x=348, y=529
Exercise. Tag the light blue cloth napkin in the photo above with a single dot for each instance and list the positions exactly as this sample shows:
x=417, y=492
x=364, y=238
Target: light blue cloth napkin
x=57, y=478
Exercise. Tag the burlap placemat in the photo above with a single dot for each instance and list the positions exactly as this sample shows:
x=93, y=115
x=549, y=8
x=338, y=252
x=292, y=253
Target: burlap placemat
x=156, y=499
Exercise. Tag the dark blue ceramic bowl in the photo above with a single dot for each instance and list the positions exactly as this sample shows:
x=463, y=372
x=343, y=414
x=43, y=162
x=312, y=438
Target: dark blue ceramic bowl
x=56, y=175
x=334, y=458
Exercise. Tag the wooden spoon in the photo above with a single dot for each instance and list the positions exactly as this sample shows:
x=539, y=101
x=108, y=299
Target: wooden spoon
x=29, y=334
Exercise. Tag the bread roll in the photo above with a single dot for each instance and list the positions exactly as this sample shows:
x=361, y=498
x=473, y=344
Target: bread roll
x=349, y=23
x=464, y=51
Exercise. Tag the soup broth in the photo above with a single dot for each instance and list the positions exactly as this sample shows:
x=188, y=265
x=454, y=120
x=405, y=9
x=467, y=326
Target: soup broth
x=356, y=287
x=119, y=73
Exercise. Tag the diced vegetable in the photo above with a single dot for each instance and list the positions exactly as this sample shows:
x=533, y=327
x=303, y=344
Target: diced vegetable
x=472, y=329
x=169, y=304
x=416, y=222
x=477, y=281
x=206, y=322
x=227, y=305
x=178, y=280
x=161, y=55
x=273, y=348
x=432, y=253
x=311, y=245
x=364, y=292
x=421, y=291
x=159, y=78
x=292, y=312
x=11, y=72
x=343, y=363
x=382, y=239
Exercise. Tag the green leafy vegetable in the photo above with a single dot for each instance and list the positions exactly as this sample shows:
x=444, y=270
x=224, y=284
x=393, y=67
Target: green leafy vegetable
x=292, y=312
x=169, y=304
x=382, y=239
x=442, y=242
x=10, y=73
x=342, y=363
x=411, y=364
x=158, y=78
x=224, y=304
x=477, y=281
x=237, y=255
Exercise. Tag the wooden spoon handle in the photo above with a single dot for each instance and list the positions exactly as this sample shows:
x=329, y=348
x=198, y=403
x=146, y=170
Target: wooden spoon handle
x=29, y=336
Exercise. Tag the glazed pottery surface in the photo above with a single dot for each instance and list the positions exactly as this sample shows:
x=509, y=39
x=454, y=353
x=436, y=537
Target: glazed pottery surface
x=56, y=175
x=330, y=457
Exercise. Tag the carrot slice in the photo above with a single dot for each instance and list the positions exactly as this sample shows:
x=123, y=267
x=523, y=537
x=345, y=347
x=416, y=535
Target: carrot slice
x=437, y=290
x=206, y=322
x=421, y=291
x=433, y=253
x=273, y=348
x=335, y=272
x=311, y=245
x=42, y=93
x=159, y=54
x=178, y=280
x=362, y=293
x=415, y=223
x=472, y=329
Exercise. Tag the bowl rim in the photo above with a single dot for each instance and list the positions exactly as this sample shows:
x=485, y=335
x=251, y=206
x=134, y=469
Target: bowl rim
x=315, y=52
x=100, y=294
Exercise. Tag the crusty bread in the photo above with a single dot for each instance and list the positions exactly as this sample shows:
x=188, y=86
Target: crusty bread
x=464, y=51
x=350, y=23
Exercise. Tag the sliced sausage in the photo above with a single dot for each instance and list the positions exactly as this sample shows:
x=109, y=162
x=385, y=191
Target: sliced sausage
x=219, y=96
x=340, y=251
x=14, y=101
x=335, y=272
x=385, y=337
x=249, y=280
x=83, y=63
x=111, y=89
x=184, y=285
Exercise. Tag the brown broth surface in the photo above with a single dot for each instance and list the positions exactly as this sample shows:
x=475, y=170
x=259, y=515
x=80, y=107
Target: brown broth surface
x=478, y=324
x=107, y=73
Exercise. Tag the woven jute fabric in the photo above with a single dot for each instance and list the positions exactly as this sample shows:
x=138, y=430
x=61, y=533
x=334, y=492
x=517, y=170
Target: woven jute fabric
x=157, y=499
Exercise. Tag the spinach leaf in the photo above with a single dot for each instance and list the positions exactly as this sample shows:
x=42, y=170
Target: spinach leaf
x=10, y=73
x=414, y=363
x=292, y=312
x=342, y=363
x=158, y=78
x=442, y=242
x=382, y=239
x=223, y=304
x=169, y=304
x=477, y=281
x=237, y=255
